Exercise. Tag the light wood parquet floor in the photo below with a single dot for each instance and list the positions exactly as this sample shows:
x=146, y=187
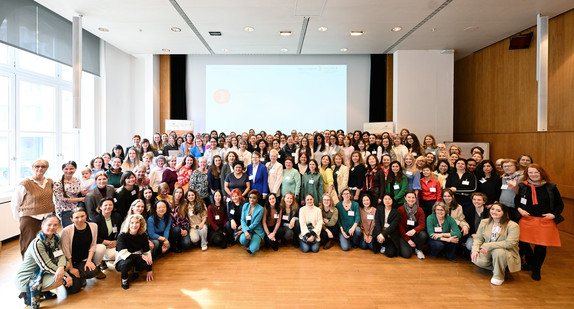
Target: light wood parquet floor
x=231, y=278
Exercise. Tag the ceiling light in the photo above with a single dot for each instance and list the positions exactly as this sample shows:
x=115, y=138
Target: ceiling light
x=215, y=33
x=285, y=33
x=102, y=29
x=249, y=29
x=165, y=50
x=284, y=50
x=357, y=33
x=397, y=29
x=470, y=29
x=323, y=29
x=344, y=49
x=175, y=29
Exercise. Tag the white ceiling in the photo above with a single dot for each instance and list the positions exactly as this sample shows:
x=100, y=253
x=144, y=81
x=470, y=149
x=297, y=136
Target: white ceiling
x=144, y=26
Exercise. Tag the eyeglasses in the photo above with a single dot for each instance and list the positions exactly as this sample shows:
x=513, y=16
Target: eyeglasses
x=40, y=166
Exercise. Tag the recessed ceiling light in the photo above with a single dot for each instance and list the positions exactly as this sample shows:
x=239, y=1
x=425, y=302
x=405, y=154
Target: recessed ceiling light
x=102, y=29
x=323, y=29
x=249, y=29
x=224, y=50
x=471, y=28
x=165, y=50
x=397, y=29
x=344, y=49
x=284, y=50
x=175, y=29
x=285, y=33
x=357, y=33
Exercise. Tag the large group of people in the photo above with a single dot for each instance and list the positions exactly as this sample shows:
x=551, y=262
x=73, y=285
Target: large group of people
x=387, y=193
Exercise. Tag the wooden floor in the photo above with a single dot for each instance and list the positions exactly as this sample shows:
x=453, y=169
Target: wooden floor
x=231, y=278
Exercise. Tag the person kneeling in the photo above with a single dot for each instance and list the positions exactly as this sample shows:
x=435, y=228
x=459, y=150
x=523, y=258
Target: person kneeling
x=495, y=245
x=133, y=251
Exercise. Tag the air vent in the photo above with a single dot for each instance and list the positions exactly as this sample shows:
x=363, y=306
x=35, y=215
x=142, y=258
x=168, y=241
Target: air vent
x=215, y=33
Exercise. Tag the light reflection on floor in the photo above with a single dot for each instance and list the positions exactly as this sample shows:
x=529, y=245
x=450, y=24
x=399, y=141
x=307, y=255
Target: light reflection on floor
x=202, y=297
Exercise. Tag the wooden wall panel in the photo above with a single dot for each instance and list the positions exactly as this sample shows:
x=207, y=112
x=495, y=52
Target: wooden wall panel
x=560, y=147
x=164, y=90
x=568, y=214
x=561, y=73
x=389, y=87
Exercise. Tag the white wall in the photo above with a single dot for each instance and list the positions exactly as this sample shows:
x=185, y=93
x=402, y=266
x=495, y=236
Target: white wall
x=131, y=97
x=423, y=93
x=358, y=82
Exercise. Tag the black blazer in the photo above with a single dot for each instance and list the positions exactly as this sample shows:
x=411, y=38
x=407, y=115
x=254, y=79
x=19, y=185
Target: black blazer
x=93, y=198
x=470, y=215
x=391, y=232
x=103, y=228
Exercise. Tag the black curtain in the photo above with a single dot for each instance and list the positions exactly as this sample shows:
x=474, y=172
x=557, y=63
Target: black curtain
x=178, y=72
x=378, y=95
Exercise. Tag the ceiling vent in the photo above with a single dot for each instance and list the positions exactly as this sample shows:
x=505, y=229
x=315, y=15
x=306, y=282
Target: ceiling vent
x=215, y=33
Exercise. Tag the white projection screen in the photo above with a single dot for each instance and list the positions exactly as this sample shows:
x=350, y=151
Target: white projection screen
x=276, y=96
x=271, y=92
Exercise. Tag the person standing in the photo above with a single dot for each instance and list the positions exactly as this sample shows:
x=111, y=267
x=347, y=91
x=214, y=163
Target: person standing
x=32, y=202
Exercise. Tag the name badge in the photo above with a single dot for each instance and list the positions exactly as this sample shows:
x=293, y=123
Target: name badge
x=410, y=173
x=482, y=180
x=352, y=169
x=438, y=229
x=228, y=199
x=276, y=216
x=262, y=160
x=191, y=212
x=325, y=153
x=311, y=181
x=351, y=213
x=279, y=156
x=433, y=189
x=160, y=151
x=114, y=229
x=232, y=212
x=286, y=217
x=465, y=182
x=415, y=154
x=396, y=187
x=386, y=225
x=287, y=177
x=216, y=217
x=58, y=253
x=115, y=200
x=504, y=187
x=247, y=217
x=337, y=172
x=374, y=152
x=411, y=222
x=134, y=192
x=251, y=177
x=523, y=201
x=370, y=217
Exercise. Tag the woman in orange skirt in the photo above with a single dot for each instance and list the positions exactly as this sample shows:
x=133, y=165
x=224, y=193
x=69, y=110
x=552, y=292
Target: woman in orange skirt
x=540, y=205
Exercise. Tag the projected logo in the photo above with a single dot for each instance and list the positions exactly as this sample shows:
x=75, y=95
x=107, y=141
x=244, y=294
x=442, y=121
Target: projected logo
x=222, y=96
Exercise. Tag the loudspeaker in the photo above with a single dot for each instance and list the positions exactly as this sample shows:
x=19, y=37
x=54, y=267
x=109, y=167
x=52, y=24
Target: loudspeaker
x=521, y=41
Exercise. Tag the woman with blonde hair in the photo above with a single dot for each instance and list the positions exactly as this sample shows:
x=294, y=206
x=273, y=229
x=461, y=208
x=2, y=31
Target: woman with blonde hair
x=330, y=230
x=197, y=218
x=131, y=160
x=133, y=251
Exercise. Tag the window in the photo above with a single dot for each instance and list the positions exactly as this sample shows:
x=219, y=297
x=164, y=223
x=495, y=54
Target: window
x=36, y=115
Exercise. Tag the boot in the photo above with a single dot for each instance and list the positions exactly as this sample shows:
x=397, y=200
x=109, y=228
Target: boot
x=100, y=274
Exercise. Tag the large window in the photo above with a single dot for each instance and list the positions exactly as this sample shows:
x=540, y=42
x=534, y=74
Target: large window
x=36, y=118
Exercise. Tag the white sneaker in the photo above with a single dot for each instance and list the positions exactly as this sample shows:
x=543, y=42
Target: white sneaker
x=204, y=248
x=383, y=249
x=420, y=254
x=496, y=281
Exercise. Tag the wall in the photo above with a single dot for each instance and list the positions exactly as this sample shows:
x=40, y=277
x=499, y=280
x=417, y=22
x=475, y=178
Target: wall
x=423, y=92
x=496, y=102
x=358, y=80
x=130, y=97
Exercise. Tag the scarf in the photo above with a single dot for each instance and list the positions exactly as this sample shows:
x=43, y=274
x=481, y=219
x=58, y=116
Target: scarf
x=533, y=189
x=369, y=176
x=411, y=212
x=511, y=179
x=117, y=171
x=34, y=287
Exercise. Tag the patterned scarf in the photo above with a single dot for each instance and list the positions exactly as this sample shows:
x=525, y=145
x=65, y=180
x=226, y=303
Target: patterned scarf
x=369, y=176
x=411, y=211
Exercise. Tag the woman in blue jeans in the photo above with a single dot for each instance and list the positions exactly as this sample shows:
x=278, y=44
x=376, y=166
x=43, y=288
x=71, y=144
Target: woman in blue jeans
x=251, y=225
x=311, y=223
x=443, y=231
x=349, y=220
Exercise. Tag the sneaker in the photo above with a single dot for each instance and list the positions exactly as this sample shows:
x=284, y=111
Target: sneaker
x=125, y=284
x=420, y=254
x=204, y=248
x=100, y=274
x=383, y=249
x=496, y=281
